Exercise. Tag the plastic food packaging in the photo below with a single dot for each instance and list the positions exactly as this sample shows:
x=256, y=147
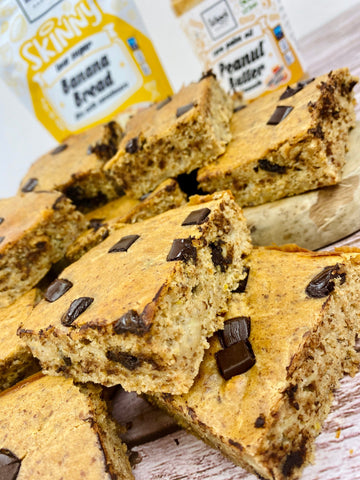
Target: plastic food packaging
x=247, y=43
x=78, y=63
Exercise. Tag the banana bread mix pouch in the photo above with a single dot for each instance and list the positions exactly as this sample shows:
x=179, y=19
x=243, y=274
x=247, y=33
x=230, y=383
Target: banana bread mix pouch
x=76, y=63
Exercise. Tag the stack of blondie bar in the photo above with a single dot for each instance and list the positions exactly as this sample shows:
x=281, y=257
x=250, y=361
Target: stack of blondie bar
x=126, y=259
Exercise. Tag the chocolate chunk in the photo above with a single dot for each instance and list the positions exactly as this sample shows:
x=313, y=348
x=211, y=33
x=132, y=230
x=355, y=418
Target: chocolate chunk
x=182, y=249
x=323, y=283
x=279, y=114
x=1, y=220
x=242, y=284
x=60, y=148
x=2, y=239
x=30, y=185
x=57, y=289
x=293, y=460
x=234, y=360
x=128, y=361
x=76, y=308
x=124, y=243
x=132, y=145
x=130, y=322
x=235, y=330
x=96, y=223
x=196, y=217
x=268, y=166
x=9, y=465
x=207, y=74
x=238, y=108
x=303, y=83
x=289, y=92
x=260, y=421
x=181, y=110
x=163, y=103
x=217, y=256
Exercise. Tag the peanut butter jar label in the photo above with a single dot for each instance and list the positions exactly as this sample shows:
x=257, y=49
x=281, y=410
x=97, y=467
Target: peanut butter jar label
x=247, y=43
x=78, y=63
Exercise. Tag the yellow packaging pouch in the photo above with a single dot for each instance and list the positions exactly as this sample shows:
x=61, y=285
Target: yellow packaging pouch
x=76, y=63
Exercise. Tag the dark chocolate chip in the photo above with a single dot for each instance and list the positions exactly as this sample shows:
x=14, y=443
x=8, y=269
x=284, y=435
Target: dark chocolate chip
x=60, y=148
x=238, y=108
x=217, y=256
x=207, y=74
x=279, y=114
x=131, y=322
x=293, y=460
x=181, y=110
x=182, y=249
x=163, y=103
x=144, y=196
x=317, y=132
x=268, y=166
x=242, y=284
x=128, y=361
x=96, y=223
x=9, y=465
x=57, y=289
x=303, y=83
x=260, y=421
x=197, y=217
x=323, y=283
x=76, y=308
x=2, y=239
x=1, y=220
x=235, y=330
x=234, y=360
x=30, y=185
x=289, y=92
x=124, y=243
x=132, y=145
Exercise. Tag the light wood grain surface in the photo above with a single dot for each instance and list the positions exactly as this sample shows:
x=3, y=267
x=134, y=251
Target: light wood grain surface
x=178, y=455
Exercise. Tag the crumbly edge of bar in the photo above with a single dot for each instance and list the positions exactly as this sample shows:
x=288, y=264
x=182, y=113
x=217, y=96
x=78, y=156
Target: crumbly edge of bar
x=168, y=199
x=288, y=444
x=26, y=262
x=313, y=161
x=91, y=190
x=190, y=307
x=17, y=367
x=115, y=451
x=184, y=148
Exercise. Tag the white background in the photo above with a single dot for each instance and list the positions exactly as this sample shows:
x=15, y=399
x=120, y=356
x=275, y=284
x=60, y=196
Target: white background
x=23, y=138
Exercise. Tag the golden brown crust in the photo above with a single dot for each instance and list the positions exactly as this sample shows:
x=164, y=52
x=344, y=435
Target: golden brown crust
x=59, y=430
x=296, y=340
x=149, y=287
x=306, y=150
x=171, y=138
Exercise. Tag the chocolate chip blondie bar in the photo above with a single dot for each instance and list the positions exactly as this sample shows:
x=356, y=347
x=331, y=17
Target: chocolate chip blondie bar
x=35, y=231
x=175, y=136
x=53, y=429
x=285, y=144
x=137, y=309
x=122, y=210
x=16, y=360
x=265, y=385
x=75, y=167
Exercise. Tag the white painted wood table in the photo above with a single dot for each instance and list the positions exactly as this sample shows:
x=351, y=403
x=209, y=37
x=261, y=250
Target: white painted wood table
x=165, y=451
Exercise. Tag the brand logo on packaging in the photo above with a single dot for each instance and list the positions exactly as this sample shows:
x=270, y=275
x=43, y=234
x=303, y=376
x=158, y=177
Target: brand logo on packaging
x=35, y=9
x=218, y=19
